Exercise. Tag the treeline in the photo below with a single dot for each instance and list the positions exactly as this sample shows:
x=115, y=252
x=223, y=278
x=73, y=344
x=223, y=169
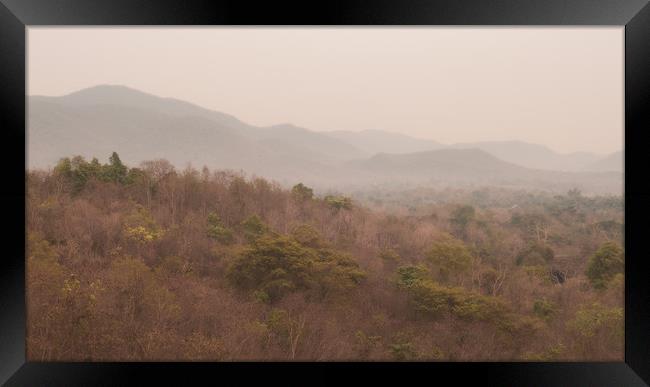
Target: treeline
x=152, y=263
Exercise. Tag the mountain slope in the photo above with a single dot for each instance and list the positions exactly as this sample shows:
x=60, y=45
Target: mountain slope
x=126, y=96
x=532, y=155
x=448, y=167
x=139, y=126
x=611, y=162
x=377, y=141
x=317, y=145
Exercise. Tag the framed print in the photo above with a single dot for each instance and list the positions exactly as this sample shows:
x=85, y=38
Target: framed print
x=393, y=191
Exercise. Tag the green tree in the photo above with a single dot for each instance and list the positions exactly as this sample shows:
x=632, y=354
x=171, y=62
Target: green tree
x=217, y=231
x=605, y=264
x=275, y=265
x=253, y=228
x=115, y=171
x=596, y=325
x=408, y=276
x=450, y=256
x=544, y=309
x=278, y=265
x=535, y=254
x=302, y=193
x=63, y=167
x=308, y=236
x=339, y=202
x=140, y=226
x=532, y=225
x=76, y=171
x=461, y=217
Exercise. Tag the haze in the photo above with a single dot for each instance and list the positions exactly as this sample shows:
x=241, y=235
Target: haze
x=561, y=87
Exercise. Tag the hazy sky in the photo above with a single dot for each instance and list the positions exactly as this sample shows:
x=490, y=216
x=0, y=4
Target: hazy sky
x=562, y=87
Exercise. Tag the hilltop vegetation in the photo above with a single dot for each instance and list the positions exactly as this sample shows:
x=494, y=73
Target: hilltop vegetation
x=153, y=263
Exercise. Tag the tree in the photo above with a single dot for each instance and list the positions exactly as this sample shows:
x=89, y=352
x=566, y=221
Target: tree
x=115, y=171
x=451, y=256
x=606, y=262
x=253, y=228
x=308, y=236
x=596, y=325
x=217, y=231
x=339, y=202
x=274, y=265
x=63, y=167
x=430, y=299
x=76, y=171
x=535, y=254
x=141, y=227
x=390, y=258
x=461, y=218
x=278, y=265
x=407, y=276
x=302, y=193
x=532, y=225
x=137, y=294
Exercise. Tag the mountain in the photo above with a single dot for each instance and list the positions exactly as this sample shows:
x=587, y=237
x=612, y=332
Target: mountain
x=532, y=155
x=139, y=126
x=517, y=152
x=444, y=162
x=314, y=143
x=448, y=167
x=377, y=141
x=611, y=162
x=125, y=96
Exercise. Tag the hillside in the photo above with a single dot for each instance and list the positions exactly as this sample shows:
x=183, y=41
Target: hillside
x=143, y=127
x=153, y=264
x=477, y=167
x=378, y=141
x=532, y=155
x=612, y=162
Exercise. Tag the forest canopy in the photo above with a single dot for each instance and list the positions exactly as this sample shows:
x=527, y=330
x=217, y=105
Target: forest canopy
x=155, y=263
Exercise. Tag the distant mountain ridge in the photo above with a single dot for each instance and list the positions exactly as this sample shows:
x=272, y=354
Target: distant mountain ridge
x=142, y=126
x=612, y=162
x=377, y=141
x=533, y=155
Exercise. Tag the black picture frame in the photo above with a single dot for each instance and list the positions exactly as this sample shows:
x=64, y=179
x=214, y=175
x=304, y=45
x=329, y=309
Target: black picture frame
x=17, y=15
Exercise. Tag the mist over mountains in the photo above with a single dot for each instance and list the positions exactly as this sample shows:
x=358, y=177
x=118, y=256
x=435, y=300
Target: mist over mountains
x=97, y=121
